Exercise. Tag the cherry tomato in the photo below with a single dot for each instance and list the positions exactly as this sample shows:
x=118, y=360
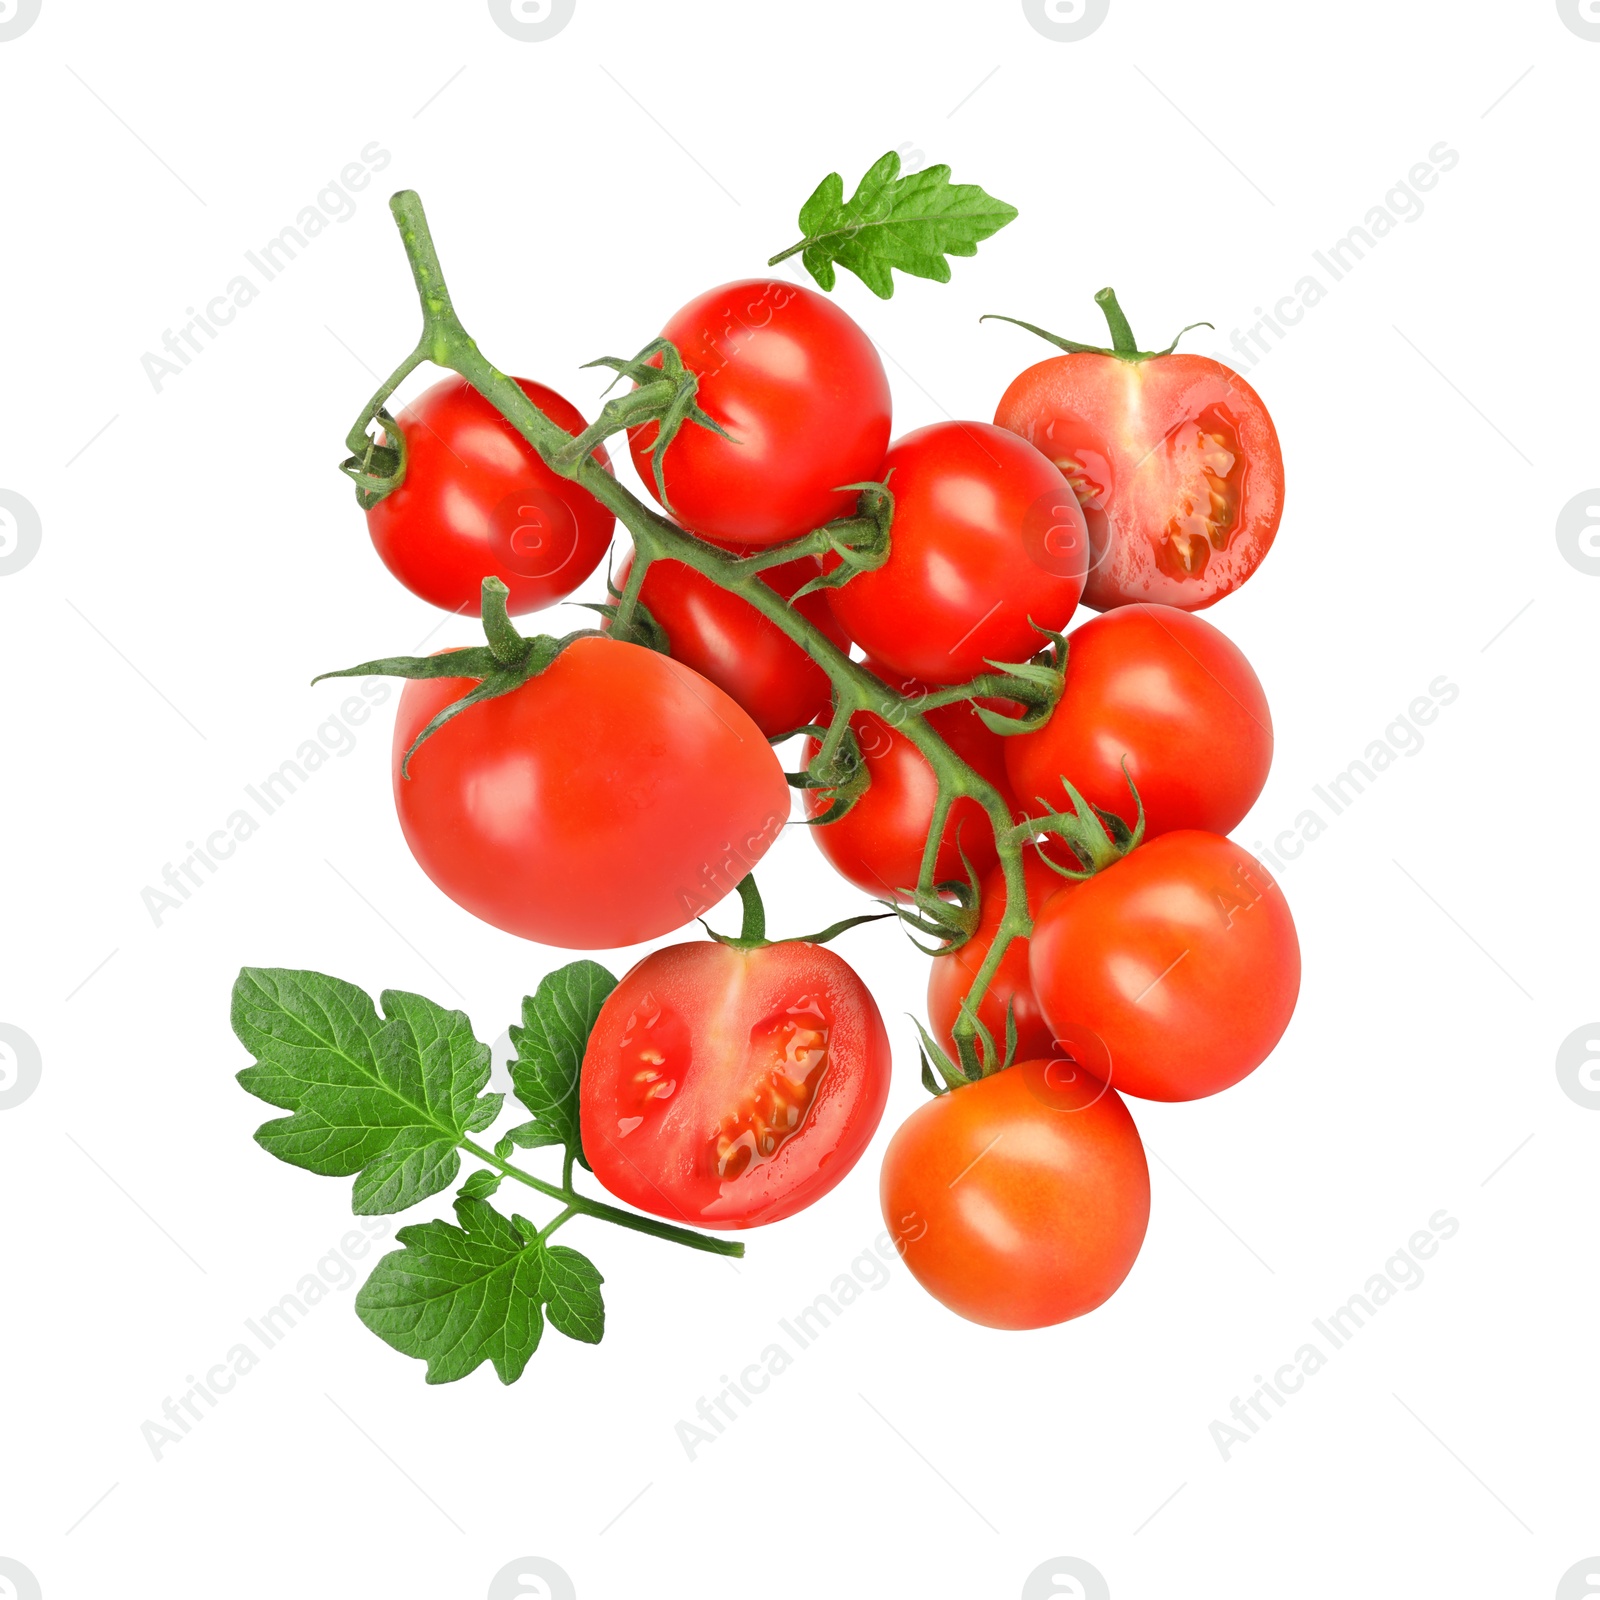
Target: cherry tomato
x=613, y=797
x=952, y=975
x=1175, y=462
x=983, y=540
x=729, y=1088
x=878, y=843
x=1179, y=964
x=1020, y=1200
x=799, y=387
x=1172, y=696
x=728, y=641
x=477, y=502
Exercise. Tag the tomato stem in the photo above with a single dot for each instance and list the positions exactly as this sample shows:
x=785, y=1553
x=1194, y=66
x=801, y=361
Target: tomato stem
x=1123, y=342
x=754, y=930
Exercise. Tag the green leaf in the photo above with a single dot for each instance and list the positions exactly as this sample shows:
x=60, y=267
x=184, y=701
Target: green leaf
x=526, y=1136
x=481, y=1184
x=386, y=1099
x=556, y=1023
x=910, y=222
x=456, y=1297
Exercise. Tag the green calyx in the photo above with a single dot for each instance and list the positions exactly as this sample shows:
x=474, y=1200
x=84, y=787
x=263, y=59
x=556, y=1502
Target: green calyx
x=1097, y=838
x=753, y=933
x=1123, y=344
x=501, y=666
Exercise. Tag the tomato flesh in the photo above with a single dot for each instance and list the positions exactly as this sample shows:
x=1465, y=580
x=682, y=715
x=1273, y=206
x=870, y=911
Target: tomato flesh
x=1175, y=462
x=731, y=1088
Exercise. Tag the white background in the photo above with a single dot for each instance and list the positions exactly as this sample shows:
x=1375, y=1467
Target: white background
x=201, y=559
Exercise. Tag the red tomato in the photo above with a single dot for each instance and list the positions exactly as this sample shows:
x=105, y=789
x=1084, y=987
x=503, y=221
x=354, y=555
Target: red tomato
x=1020, y=1200
x=1171, y=695
x=952, y=975
x=613, y=797
x=801, y=389
x=477, y=502
x=1175, y=461
x=1181, y=961
x=983, y=540
x=878, y=843
x=730, y=1088
x=728, y=641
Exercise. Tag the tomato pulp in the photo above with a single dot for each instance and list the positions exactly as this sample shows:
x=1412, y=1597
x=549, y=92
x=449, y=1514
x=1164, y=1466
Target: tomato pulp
x=730, y=1088
x=477, y=502
x=1180, y=963
x=1175, y=462
x=801, y=390
x=1020, y=1200
x=614, y=797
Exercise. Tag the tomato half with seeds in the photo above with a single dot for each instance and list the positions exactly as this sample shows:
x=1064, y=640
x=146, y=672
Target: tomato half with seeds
x=728, y=641
x=1172, y=456
x=800, y=389
x=732, y=1087
x=985, y=549
x=1179, y=962
x=878, y=843
x=1020, y=1200
x=614, y=797
x=952, y=976
x=477, y=502
x=1170, y=695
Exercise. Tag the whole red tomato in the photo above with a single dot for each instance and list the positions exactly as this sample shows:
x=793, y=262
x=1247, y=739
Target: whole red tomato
x=728, y=641
x=1020, y=1200
x=477, y=502
x=878, y=843
x=951, y=976
x=1180, y=961
x=1175, y=699
x=799, y=387
x=615, y=796
x=984, y=544
x=1175, y=462
x=730, y=1088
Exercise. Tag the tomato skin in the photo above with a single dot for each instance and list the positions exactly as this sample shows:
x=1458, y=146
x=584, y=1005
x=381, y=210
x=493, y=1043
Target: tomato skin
x=1182, y=959
x=728, y=641
x=576, y=810
x=951, y=976
x=800, y=387
x=1177, y=699
x=983, y=539
x=1143, y=440
x=680, y=1016
x=1019, y=1201
x=878, y=843
x=478, y=502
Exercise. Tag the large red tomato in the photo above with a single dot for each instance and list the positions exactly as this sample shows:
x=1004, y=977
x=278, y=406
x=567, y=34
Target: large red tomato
x=1172, y=696
x=615, y=796
x=477, y=502
x=728, y=1087
x=951, y=976
x=1179, y=966
x=1020, y=1200
x=878, y=843
x=1175, y=461
x=984, y=545
x=799, y=387
x=728, y=641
